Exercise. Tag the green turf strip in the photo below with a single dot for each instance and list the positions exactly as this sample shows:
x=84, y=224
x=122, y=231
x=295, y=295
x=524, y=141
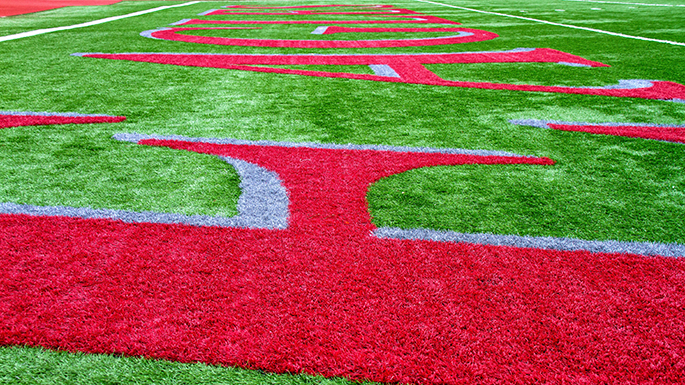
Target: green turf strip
x=38, y=366
x=86, y=169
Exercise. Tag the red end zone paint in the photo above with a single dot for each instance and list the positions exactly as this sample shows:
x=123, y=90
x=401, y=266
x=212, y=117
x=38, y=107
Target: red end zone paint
x=324, y=296
x=16, y=7
x=665, y=133
x=37, y=120
x=466, y=35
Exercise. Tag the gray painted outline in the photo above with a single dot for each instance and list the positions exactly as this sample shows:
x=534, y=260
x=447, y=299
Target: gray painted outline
x=263, y=204
x=546, y=123
x=383, y=70
x=548, y=243
x=65, y=114
x=623, y=84
x=182, y=21
x=567, y=63
x=303, y=55
x=149, y=32
x=205, y=13
x=317, y=31
x=135, y=138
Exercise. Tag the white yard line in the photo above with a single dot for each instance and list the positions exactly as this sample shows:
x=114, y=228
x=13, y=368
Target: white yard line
x=558, y=24
x=619, y=2
x=90, y=23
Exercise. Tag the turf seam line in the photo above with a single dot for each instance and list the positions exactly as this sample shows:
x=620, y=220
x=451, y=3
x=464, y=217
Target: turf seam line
x=548, y=243
x=557, y=24
x=91, y=23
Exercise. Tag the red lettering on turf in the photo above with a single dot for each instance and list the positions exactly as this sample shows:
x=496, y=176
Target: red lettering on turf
x=664, y=133
x=325, y=296
x=465, y=35
x=405, y=16
x=424, y=19
x=39, y=120
x=400, y=68
x=389, y=10
x=409, y=68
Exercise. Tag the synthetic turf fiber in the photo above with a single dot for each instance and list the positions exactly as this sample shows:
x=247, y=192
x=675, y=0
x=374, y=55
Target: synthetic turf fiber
x=401, y=192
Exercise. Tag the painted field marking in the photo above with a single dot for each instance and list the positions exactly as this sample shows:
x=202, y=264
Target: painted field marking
x=91, y=23
x=619, y=2
x=556, y=24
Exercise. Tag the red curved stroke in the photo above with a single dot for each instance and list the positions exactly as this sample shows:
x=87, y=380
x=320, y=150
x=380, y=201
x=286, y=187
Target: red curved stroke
x=325, y=296
x=386, y=10
x=37, y=120
x=404, y=16
x=665, y=133
x=409, y=69
x=172, y=34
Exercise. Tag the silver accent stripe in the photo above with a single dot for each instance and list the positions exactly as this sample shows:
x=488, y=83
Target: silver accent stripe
x=459, y=34
x=65, y=114
x=549, y=243
x=546, y=123
x=625, y=84
x=263, y=204
x=149, y=32
x=566, y=63
x=205, y=13
x=319, y=31
x=263, y=201
x=303, y=55
x=135, y=138
x=383, y=70
x=182, y=21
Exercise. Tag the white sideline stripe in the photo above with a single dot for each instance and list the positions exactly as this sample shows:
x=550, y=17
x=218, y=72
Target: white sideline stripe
x=557, y=24
x=90, y=23
x=619, y=2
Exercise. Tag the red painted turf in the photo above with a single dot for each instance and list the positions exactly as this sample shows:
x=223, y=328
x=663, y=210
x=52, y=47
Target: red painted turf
x=409, y=67
x=325, y=296
x=37, y=120
x=172, y=34
x=20, y=7
x=668, y=134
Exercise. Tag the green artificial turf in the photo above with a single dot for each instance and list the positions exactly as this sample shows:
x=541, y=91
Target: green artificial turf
x=602, y=187
x=38, y=366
